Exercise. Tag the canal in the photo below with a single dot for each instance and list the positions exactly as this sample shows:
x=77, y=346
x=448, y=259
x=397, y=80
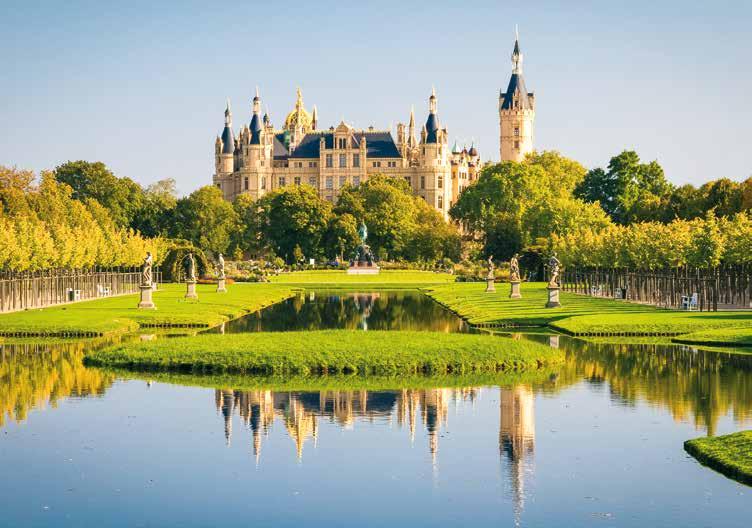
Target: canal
x=598, y=442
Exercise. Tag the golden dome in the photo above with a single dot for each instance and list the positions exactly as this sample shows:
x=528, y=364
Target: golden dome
x=299, y=117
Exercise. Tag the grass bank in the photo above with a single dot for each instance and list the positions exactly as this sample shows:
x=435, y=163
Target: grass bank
x=120, y=314
x=331, y=352
x=580, y=315
x=730, y=454
x=727, y=337
x=335, y=279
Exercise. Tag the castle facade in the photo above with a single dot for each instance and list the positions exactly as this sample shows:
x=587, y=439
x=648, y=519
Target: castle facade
x=263, y=158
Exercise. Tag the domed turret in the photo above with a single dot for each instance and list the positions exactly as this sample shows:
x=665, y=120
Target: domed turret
x=299, y=117
x=256, y=123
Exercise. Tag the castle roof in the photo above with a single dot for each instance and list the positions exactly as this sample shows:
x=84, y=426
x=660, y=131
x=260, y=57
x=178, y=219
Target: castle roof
x=255, y=129
x=228, y=141
x=516, y=86
x=378, y=145
x=432, y=127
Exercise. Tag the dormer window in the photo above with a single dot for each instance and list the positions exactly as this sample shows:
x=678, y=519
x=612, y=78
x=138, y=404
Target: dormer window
x=342, y=143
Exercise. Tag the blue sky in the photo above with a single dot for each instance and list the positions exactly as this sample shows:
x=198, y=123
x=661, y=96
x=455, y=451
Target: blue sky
x=142, y=86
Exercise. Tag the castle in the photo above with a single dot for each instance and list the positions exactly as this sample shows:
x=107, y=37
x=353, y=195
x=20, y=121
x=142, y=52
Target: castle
x=263, y=158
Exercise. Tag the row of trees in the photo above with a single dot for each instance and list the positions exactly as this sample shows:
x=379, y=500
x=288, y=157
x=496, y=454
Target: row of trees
x=42, y=226
x=698, y=243
x=513, y=205
x=294, y=222
x=630, y=191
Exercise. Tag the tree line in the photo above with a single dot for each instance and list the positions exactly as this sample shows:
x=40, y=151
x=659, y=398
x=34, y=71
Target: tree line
x=43, y=227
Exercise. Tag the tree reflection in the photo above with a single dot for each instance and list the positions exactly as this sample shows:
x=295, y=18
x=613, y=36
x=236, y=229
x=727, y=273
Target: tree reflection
x=36, y=374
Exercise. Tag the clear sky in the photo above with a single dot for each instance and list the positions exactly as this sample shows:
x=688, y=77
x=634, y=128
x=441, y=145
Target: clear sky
x=142, y=86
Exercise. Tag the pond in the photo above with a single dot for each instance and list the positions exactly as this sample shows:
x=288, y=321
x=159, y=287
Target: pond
x=598, y=443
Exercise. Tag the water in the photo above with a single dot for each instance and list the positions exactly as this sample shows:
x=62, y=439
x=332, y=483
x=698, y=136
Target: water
x=318, y=310
x=598, y=444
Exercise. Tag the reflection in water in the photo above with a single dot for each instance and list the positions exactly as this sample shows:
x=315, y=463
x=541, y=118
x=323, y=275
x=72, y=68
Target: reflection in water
x=353, y=311
x=300, y=411
x=35, y=374
x=517, y=439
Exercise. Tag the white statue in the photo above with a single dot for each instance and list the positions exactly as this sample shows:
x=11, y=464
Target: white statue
x=191, y=267
x=146, y=277
x=555, y=267
x=221, y=266
x=514, y=269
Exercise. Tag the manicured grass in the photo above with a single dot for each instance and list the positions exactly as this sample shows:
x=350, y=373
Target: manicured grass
x=733, y=337
x=392, y=279
x=579, y=315
x=386, y=353
x=730, y=454
x=120, y=314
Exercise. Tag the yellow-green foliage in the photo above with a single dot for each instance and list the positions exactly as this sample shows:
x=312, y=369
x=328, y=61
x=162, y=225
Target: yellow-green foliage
x=730, y=454
x=382, y=353
x=43, y=227
x=699, y=243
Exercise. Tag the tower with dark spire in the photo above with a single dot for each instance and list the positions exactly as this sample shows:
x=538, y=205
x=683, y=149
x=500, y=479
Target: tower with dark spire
x=516, y=113
x=224, y=149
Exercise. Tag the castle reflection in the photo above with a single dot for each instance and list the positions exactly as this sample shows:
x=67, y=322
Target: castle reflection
x=300, y=413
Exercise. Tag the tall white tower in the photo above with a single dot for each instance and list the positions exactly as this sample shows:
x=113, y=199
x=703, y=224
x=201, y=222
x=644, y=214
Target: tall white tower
x=516, y=113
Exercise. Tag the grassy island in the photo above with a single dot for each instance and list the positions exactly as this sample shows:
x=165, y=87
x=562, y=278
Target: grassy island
x=581, y=315
x=730, y=454
x=119, y=314
x=331, y=352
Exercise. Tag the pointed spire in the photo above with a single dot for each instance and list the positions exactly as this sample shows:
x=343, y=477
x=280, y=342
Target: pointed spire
x=516, y=53
x=315, y=118
x=228, y=114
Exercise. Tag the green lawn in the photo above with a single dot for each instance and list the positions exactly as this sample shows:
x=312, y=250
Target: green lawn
x=579, y=315
x=120, y=314
x=730, y=454
x=392, y=279
x=732, y=337
x=381, y=353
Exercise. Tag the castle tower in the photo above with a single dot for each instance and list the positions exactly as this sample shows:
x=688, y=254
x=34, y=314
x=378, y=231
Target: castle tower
x=516, y=113
x=224, y=147
x=435, y=169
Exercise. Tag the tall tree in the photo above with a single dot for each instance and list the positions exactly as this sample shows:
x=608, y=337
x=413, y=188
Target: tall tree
x=121, y=196
x=206, y=219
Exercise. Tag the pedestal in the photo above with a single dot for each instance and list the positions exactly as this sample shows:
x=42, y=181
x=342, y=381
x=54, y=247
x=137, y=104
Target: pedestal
x=553, y=297
x=490, y=288
x=221, y=286
x=146, y=302
x=190, y=292
x=514, y=293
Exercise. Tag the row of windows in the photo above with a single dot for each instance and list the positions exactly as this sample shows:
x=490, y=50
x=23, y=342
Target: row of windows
x=311, y=164
x=342, y=161
x=313, y=180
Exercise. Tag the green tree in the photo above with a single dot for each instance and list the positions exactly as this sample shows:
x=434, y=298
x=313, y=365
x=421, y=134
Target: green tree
x=121, y=196
x=155, y=215
x=625, y=187
x=342, y=237
x=294, y=216
x=206, y=219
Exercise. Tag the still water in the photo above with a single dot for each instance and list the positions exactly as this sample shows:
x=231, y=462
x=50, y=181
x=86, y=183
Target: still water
x=599, y=443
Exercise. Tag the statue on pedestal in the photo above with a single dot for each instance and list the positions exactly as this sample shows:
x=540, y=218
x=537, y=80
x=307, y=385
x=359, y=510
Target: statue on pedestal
x=363, y=257
x=146, y=276
x=490, y=288
x=146, y=284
